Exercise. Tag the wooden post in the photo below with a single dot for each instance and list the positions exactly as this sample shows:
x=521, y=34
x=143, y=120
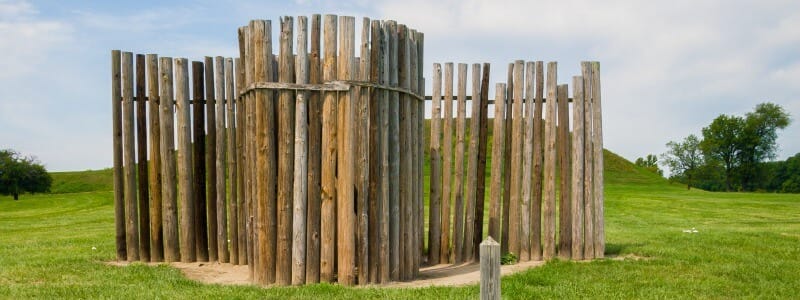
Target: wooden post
x=300, y=190
x=219, y=159
x=394, y=157
x=435, y=224
x=548, y=207
x=538, y=155
x=375, y=151
x=385, y=264
x=346, y=178
x=169, y=186
x=240, y=165
x=497, y=159
x=447, y=156
x=472, y=165
x=490, y=268
x=249, y=158
x=362, y=159
x=405, y=154
x=483, y=137
x=577, y=168
x=141, y=161
x=156, y=227
x=517, y=135
x=286, y=107
x=187, y=204
x=588, y=164
x=128, y=152
x=527, y=161
x=233, y=200
x=420, y=162
x=198, y=159
x=314, y=156
x=504, y=242
x=597, y=135
x=414, y=142
x=329, y=154
x=564, y=211
x=211, y=156
x=461, y=128
x=119, y=197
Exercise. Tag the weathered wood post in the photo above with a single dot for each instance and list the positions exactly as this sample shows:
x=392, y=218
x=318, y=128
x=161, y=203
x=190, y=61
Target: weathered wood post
x=490, y=269
x=116, y=113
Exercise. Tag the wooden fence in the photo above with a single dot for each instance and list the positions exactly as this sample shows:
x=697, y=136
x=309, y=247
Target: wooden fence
x=307, y=165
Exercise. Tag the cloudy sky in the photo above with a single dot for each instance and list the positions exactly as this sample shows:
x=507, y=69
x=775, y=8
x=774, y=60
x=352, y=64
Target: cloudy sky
x=669, y=67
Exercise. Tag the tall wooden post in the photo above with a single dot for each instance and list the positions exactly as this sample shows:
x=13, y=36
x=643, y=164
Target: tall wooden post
x=169, y=186
x=188, y=249
x=141, y=161
x=329, y=154
x=116, y=115
x=128, y=152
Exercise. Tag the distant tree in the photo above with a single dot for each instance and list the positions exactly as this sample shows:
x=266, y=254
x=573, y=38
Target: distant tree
x=721, y=142
x=683, y=158
x=20, y=174
x=649, y=162
x=758, y=141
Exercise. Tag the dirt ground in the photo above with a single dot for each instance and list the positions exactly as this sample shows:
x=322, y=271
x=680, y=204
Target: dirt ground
x=438, y=275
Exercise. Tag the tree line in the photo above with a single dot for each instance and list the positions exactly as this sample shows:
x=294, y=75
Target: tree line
x=22, y=174
x=735, y=153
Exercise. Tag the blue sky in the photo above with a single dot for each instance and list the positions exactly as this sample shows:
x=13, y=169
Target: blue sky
x=668, y=68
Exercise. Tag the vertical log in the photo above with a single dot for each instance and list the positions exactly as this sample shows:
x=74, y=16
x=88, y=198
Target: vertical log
x=211, y=156
x=219, y=160
x=119, y=185
x=169, y=186
x=576, y=205
x=447, y=156
x=405, y=153
x=472, y=165
x=435, y=223
x=232, y=167
x=564, y=211
x=185, y=181
x=394, y=156
x=490, y=269
x=128, y=152
x=154, y=173
x=198, y=158
x=483, y=137
x=527, y=160
x=249, y=159
x=300, y=190
x=345, y=196
x=141, y=161
x=420, y=104
x=314, y=156
x=588, y=164
x=548, y=206
x=461, y=128
x=383, y=74
x=597, y=136
x=498, y=146
x=362, y=159
x=538, y=155
x=329, y=154
x=286, y=107
x=375, y=152
x=414, y=142
x=240, y=165
x=504, y=242
x=517, y=135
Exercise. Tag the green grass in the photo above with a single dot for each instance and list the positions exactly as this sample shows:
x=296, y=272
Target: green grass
x=748, y=246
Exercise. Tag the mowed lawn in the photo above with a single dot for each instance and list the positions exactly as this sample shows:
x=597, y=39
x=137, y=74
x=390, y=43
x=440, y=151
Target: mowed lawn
x=747, y=245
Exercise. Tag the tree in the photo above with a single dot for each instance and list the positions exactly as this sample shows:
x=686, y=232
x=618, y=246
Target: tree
x=721, y=142
x=650, y=162
x=19, y=174
x=758, y=141
x=683, y=158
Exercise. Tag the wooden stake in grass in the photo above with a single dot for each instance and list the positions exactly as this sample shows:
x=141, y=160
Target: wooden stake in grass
x=564, y=211
x=185, y=198
x=577, y=168
x=119, y=196
x=199, y=163
x=219, y=161
x=588, y=164
x=156, y=227
x=141, y=161
x=548, y=207
x=128, y=151
x=168, y=187
x=517, y=135
x=599, y=198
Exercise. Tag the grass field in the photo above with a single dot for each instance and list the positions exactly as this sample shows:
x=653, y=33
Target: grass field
x=747, y=246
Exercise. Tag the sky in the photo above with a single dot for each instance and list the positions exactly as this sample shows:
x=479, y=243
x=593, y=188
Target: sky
x=668, y=67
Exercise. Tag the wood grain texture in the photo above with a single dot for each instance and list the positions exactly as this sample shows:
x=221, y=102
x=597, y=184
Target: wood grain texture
x=577, y=151
x=414, y=142
x=154, y=171
x=220, y=161
x=119, y=185
x=129, y=158
x=385, y=243
x=232, y=166
x=548, y=206
x=345, y=196
x=538, y=155
x=141, y=161
x=517, y=135
x=406, y=210
x=564, y=211
x=362, y=138
x=198, y=160
x=394, y=156
x=375, y=152
x=168, y=186
x=211, y=157
x=471, y=191
x=329, y=155
x=314, y=156
x=240, y=165
x=588, y=164
x=490, y=269
x=435, y=223
x=300, y=190
x=504, y=240
x=498, y=147
x=527, y=163
x=458, y=186
x=286, y=109
x=184, y=175
x=447, y=162
x=597, y=169
x=483, y=137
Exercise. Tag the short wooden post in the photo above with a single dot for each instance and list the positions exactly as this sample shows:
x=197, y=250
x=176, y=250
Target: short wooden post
x=490, y=269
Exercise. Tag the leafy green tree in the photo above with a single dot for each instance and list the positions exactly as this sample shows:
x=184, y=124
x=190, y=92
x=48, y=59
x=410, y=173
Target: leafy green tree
x=758, y=141
x=650, y=162
x=20, y=174
x=721, y=142
x=683, y=158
